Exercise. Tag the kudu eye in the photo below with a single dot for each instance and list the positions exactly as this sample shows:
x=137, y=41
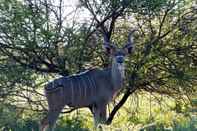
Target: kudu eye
x=107, y=50
x=129, y=50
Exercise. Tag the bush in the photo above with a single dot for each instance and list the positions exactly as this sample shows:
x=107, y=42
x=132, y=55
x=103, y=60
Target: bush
x=70, y=124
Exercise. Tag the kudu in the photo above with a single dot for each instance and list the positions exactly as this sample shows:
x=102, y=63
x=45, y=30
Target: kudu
x=94, y=88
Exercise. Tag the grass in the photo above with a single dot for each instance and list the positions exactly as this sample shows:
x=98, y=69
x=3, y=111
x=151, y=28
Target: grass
x=142, y=112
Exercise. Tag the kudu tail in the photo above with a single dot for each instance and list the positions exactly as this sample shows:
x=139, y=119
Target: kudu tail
x=54, y=96
x=54, y=85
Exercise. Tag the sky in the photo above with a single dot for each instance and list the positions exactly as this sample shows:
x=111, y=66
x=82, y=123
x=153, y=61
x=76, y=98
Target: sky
x=70, y=8
x=70, y=13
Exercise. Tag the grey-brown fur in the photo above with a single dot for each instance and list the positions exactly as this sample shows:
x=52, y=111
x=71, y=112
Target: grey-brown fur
x=80, y=90
x=93, y=89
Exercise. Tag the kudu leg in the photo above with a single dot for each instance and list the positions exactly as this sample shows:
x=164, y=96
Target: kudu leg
x=50, y=120
x=99, y=113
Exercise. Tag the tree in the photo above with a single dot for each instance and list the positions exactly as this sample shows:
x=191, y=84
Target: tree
x=30, y=32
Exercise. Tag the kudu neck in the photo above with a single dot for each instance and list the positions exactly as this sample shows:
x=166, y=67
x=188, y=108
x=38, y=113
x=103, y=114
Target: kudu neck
x=117, y=75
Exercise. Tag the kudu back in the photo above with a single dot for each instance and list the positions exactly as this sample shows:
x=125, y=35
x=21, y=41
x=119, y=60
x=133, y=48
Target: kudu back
x=94, y=88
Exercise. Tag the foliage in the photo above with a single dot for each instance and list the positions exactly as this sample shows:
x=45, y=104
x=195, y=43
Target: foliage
x=71, y=125
x=164, y=61
x=11, y=119
x=188, y=126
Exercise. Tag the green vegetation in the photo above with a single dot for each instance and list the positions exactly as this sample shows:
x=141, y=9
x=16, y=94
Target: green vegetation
x=161, y=75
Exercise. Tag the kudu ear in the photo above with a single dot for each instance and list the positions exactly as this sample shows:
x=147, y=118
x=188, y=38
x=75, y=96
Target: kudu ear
x=107, y=46
x=129, y=46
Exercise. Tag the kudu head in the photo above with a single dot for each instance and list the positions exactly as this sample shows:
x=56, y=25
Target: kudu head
x=118, y=54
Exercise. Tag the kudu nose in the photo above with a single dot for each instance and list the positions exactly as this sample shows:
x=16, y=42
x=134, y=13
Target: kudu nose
x=120, y=59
